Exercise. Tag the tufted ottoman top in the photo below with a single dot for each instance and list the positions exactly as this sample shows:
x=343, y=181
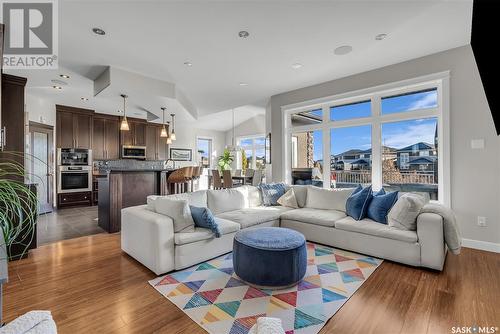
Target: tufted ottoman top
x=270, y=238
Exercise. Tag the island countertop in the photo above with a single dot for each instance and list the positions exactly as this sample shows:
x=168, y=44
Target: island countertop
x=122, y=188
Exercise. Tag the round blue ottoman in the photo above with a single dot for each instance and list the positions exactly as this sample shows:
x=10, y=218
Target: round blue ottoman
x=270, y=257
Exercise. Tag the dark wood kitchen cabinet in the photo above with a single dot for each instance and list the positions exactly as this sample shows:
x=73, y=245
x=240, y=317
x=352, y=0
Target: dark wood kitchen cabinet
x=156, y=146
x=73, y=127
x=136, y=135
x=106, y=137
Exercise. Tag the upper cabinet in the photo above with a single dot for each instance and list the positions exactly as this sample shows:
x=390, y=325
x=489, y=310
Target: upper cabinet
x=156, y=147
x=73, y=127
x=136, y=135
x=106, y=135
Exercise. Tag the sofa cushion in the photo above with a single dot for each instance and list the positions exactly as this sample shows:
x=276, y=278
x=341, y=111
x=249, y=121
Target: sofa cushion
x=370, y=227
x=178, y=210
x=327, y=199
x=224, y=200
x=357, y=204
x=254, y=196
x=300, y=194
x=314, y=216
x=288, y=199
x=271, y=192
x=404, y=213
x=200, y=233
x=197, y=198
x=254, y=216
x=203, y=217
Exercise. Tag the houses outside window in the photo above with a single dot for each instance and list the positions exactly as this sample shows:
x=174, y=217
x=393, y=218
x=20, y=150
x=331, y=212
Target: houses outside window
x=390, y=137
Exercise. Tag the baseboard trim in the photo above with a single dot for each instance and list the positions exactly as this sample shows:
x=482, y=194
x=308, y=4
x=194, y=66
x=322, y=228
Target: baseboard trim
x=482, y=245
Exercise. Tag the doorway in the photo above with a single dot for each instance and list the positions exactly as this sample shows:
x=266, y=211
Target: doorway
x=41, y=164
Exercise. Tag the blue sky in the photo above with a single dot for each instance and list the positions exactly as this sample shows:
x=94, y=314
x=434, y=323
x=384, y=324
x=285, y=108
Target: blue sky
x=397, y=134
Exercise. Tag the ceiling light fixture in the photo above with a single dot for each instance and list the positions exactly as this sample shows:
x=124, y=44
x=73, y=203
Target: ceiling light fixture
x=187, y=63
x=172, y=134
x=57, y=87
x=84, y=99
x=65, y=76
x=98, y=31
x=124, y=124
x=296, y=66
x=243, y=84
x=163, y=133
x=233, y=147
x=243, y=34
x=380, y=37
x=343, y=50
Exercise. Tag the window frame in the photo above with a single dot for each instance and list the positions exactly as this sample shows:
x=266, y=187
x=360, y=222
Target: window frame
x=439, y=81
x=254, y=147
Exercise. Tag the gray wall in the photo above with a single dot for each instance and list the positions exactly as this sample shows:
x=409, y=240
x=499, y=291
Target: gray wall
x=475, y=174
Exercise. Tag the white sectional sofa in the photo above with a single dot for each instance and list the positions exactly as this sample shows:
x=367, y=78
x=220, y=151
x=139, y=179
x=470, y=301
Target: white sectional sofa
x=149, y=237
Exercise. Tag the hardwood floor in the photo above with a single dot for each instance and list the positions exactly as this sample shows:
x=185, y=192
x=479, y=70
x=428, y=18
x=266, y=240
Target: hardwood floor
x=92, y=287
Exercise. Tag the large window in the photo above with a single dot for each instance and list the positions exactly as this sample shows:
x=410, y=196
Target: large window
x=204, y=150
x=253, y=152
x=389, y=137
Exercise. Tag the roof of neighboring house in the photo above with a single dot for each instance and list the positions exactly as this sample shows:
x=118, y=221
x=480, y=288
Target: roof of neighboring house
x=360, y=162
x=422, y=160
x=417, y=147
x=385, y=149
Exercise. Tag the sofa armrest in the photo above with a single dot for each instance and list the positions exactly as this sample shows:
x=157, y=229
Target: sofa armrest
x=148, y=237
x=431, y=240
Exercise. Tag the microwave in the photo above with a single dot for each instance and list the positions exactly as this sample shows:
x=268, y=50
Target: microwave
x=74, y=157
x=134, y=152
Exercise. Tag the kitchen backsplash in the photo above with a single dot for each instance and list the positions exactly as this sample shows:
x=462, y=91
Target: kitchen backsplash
x=129, y=164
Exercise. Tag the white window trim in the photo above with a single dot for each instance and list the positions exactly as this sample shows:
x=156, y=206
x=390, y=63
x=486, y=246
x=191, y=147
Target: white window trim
x=374, y=94
x=254, y=147
x=210, y=155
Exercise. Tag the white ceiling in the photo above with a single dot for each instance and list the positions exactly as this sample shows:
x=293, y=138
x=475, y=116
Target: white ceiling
x=155, y=38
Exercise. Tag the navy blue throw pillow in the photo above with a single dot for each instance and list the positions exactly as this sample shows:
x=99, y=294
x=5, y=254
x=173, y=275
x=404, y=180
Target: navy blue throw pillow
x=380, y=206
x=203, y=217
x=358, y=202
x=271, y=192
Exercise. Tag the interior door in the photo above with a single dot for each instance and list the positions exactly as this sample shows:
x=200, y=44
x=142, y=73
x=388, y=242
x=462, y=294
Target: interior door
x=42, y=164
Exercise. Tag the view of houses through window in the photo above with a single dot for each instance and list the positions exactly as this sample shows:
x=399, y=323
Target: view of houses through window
x=408, y=156
x=204, y=148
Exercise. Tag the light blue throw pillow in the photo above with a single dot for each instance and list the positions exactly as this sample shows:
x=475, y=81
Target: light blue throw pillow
x=271, y=192
x=358, y=202
x=203, y=217
x=380, y=205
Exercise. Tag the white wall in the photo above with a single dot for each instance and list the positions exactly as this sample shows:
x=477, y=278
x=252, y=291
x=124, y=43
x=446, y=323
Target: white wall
x=475, y=174
x=186, y=138
x=253, y=126
x=40, y=110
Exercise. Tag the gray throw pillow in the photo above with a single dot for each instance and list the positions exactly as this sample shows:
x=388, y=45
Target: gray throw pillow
x=405, y=211
x=289, y=199
x=178, y=210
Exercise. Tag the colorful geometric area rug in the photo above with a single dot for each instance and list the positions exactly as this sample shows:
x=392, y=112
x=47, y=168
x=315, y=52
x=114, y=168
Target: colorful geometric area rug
x=212, y=295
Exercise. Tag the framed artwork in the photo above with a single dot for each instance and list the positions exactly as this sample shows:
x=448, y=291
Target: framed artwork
x=181, y=154
x=268, y=148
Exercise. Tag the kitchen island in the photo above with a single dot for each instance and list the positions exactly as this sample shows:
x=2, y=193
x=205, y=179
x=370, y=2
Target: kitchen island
x=122, y=188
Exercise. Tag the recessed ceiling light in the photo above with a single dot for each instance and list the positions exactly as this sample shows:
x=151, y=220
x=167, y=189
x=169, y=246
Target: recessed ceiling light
x=99, y=31
x=57, y=87
x=296, y=66
x=243, y=84
x=380, y=37
x=243, y=34
x=343, y=50
x=187, y=63
x=65, y=76
x=84, y=99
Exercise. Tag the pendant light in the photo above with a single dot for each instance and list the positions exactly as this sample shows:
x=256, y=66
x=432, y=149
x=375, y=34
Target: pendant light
x=233, y=147
x=164, y=133
x=172, y=134
x=124, y=124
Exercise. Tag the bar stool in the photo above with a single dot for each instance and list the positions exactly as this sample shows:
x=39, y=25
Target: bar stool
x=177, y=181
x=196, y=176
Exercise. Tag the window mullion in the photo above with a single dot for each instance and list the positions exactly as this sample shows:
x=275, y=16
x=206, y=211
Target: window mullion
x=376, y=143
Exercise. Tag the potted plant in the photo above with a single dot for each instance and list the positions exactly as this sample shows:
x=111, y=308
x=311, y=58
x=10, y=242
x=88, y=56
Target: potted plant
x=18, y=214
x=225, y=160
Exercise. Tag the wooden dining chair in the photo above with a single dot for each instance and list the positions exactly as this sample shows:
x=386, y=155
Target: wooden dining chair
x=237, y=172
x=257, y=178
x=216, y=181
x=249, y=172
x=228, y=179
